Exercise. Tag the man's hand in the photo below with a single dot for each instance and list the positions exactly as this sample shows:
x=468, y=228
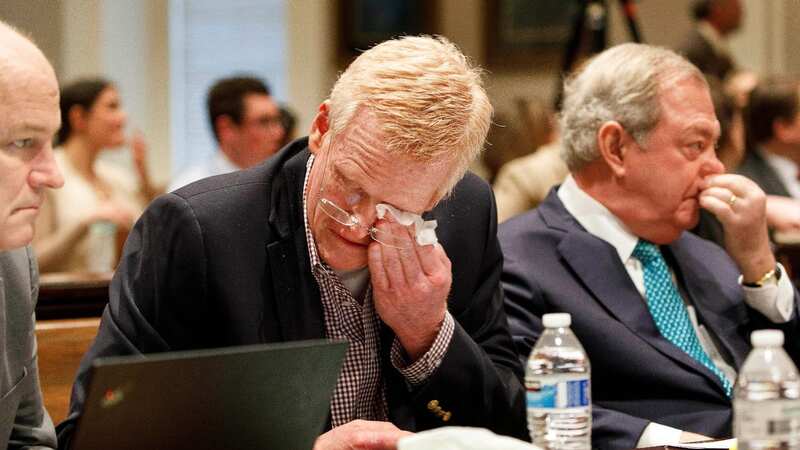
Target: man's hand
x=361, y=434
x=410, y=288
x=740, y=205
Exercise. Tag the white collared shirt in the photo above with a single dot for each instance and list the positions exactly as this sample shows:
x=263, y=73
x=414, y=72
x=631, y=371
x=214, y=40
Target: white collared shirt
x=775, y=302
x=216, y=165
x=785, y=169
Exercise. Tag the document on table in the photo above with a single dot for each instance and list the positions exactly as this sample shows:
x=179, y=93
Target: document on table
x=726, y=444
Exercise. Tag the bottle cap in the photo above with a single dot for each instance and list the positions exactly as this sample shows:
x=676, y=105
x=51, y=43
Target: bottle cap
x=556, y=320
x=767, y=338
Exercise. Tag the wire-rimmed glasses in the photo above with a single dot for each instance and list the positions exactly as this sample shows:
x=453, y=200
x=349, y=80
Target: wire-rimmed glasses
x=351, y=220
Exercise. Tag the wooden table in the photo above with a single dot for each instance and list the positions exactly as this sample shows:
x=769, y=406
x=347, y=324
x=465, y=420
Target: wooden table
x=71, y=295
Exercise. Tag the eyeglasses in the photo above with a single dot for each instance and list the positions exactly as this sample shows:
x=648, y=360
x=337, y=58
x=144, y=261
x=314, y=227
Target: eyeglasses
x=351, y=220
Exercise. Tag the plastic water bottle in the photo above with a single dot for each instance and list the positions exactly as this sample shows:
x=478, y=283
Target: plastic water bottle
x=558, y=388
x=766, y=399
x=102, y=250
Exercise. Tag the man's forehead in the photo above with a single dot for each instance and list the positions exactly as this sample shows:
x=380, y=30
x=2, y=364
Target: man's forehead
x=28, y=107
x=686, y=97
x=256, y=102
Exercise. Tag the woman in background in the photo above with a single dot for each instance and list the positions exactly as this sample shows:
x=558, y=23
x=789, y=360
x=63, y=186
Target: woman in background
x=78, y=226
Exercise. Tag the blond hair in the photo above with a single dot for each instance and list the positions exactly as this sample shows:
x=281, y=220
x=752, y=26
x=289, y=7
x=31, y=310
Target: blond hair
x=428, y=99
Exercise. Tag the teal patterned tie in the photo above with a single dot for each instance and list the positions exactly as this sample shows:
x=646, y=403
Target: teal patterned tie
x=667, y=309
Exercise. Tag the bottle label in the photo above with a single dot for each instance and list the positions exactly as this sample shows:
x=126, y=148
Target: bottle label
x=778, y=419
x=562, y=394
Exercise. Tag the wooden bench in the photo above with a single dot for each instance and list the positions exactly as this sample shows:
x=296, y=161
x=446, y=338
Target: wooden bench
x=62, y=344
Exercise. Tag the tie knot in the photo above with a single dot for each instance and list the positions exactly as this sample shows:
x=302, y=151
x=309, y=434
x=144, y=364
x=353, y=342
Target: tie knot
x=646, y=251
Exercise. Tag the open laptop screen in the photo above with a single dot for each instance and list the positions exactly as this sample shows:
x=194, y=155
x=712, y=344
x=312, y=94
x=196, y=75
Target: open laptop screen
x=271, y=396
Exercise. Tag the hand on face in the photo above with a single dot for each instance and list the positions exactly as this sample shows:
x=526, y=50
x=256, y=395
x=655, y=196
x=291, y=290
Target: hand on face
x=410, y=287
x=740, y=205
x=361, y=434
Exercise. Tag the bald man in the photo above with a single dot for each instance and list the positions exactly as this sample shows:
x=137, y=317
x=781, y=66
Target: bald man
x=29, y=117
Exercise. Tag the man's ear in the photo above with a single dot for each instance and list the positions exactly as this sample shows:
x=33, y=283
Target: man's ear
x=225, y=127
x=319, y=128
x=613, y=143
x=780, y=127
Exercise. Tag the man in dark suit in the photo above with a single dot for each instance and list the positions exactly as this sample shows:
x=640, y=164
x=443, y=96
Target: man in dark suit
x=664, y=316
x=29, y=117
x=295, y=249
x=772, y=119
x=706, y=44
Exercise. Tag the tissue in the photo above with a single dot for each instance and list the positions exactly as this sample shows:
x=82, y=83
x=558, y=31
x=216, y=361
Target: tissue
x=425, y=229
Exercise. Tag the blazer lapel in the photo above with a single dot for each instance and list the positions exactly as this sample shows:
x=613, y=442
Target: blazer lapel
x=710, y=302
x=597, y=265
x=296, y=295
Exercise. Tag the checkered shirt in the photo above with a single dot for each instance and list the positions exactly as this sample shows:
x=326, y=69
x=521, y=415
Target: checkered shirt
x=360, y=392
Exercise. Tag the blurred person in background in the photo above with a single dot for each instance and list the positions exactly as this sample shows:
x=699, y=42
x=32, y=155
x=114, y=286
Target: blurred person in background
x=289, y=124
x=772, y=159
x=247, y=124
x=524, y=182
x=95, y=191
x=706, y=45
x=731, y=144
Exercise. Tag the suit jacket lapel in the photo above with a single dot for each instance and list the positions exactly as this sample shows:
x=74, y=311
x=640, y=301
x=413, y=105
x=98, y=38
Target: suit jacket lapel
x=597, y=265
x=710, y=302
x=296, y=295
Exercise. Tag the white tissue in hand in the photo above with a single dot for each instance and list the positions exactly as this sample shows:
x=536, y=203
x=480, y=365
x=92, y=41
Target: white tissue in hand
x=425, y=229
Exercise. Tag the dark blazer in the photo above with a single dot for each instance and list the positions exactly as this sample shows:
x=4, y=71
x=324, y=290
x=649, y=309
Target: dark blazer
x=755, y=167
x=24, y=423
x=224, y=262
x=700, y=53
x=553, y=265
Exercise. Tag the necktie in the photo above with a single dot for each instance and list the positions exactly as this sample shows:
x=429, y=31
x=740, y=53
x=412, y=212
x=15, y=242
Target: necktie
x=666, y=307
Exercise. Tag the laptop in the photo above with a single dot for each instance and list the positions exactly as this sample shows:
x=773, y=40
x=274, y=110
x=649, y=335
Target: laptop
x=270, y=396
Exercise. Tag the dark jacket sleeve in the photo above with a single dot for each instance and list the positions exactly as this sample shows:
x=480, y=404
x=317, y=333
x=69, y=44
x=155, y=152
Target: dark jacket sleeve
x=479, y=379
x=156, y=297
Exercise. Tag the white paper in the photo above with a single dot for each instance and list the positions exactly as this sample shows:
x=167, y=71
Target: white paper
x=726, y=444
x=461, y=438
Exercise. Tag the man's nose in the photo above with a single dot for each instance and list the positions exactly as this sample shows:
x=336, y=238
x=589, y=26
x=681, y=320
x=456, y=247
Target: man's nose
x=45, y=172
x=712, y=165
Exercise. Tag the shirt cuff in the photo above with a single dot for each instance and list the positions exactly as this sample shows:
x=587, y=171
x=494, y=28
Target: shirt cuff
x=656, y=434
x=420, y=370
x=775, y=301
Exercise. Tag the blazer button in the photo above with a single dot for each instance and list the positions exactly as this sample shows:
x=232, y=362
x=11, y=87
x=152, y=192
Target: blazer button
x=433, y=405
x=447, y=416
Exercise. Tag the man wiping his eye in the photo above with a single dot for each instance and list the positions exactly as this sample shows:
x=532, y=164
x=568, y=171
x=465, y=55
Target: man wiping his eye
x=368, y=230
